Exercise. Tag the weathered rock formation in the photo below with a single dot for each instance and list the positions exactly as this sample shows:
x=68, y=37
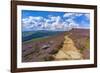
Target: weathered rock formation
x=68, y=51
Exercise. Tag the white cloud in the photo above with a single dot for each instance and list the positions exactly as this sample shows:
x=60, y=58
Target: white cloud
x=78, y=14
x=72, y=15
x=71, y=23
x=87, y=16
x=50, y=23
x=55, y=23
x=71, y=19
x=68, y=14
x=32, y=23
x=58, y=24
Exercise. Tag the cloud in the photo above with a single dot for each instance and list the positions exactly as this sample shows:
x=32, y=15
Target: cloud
x=87, y=16
x=68, y=14
x=71, y=23
x=78, y=20
x=72, y=15
x=70, y=20
x=32, y=23
x=52, y=23
x=56, y=23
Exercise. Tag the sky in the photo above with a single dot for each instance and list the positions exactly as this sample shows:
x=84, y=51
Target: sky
x=55, y=21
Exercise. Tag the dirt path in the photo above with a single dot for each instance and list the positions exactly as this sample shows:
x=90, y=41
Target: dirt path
x=68, y=51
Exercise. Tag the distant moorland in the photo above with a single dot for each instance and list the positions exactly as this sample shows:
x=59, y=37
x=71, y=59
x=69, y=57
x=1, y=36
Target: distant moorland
x=43, y=45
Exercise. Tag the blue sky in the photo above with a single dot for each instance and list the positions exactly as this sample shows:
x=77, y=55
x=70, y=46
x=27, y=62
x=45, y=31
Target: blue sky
x=27, y=13
x=46, y=20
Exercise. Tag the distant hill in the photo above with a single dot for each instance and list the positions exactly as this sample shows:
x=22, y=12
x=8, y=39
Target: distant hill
x=80, y=31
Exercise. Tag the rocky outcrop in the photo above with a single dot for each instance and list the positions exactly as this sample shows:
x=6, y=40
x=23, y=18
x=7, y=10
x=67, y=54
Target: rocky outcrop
x=68, y=51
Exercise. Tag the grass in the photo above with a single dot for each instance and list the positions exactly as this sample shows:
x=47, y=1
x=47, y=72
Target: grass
x=81, y=50
x=88, y=44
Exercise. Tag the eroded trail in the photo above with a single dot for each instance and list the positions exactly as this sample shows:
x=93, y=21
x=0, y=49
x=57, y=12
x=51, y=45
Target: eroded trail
x=68, y=51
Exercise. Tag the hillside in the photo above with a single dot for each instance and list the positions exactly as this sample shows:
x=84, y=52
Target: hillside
x=48, y=48
x=81, y=39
